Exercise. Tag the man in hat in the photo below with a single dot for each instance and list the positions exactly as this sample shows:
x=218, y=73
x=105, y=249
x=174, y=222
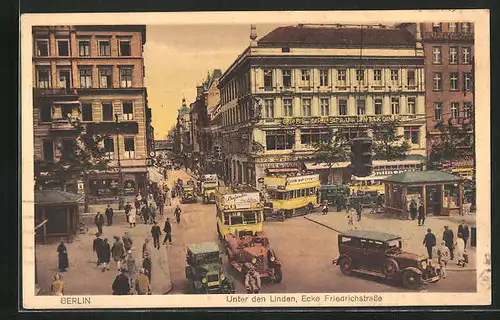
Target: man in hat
x=121, y=285
x=118, y=252
x=131, y=268
x=109, y=215
x=146, y=247
x=147, y=264
x=156, y=232
x=99, y=221
x=97, y=247
x=448, y=238
x=463, y=229
x=142, y=284
x=429, y=242
x=127, y=241
x=128, y=209
x=168, y=231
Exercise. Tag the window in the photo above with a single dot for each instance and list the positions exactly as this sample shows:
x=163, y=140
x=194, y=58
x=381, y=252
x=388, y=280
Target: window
x=288, y=107
x=84, y=48
x=411, y=78
x=436, y=55
x=341, y=76
x=377, y=76
x=394, y=76
x=66, y=111
x=343, y=107
x=465, y=55
x=412, y=134
x=437, y=81
x=306, y=107
x=45, y=112
x=280, y=140
x=436, y=27
x=453, y=55
x=287, y=78
x=85, y=78
x=104, y=48
x=287, y=49
x=129, y=147
x=452, y=26
x=109, y=147
x=125, y=77
x=360, y=107
x=105, y=78
x=438, y=111
x=107, y=112
x=86, y=112
x=412, y=109
x=323, y=78
x=124, y=46
x=467, y=109
x=395, y=105
x=48, y=150
x=128, y=111
x=454, y=110
x=306, y=78
x=42, y=48
x=63, y=48
x=64, y=79
x=360, y=75
x=454, y=81
x=465, y=27
x=325, y=106
x=378, y=106
x=269, y=108
x=467, y=81
x=44, y=78
x=268, y=78
x=313, y=136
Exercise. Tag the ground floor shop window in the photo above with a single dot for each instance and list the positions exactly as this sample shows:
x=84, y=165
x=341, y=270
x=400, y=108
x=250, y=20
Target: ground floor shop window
x=313, y=136
x=280, y=140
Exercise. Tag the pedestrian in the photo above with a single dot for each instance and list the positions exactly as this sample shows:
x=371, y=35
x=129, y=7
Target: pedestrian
x=338, y=202
x=121, y=285
x=144, y=214
x=118, y=252
x=128, y=209
x=146, y=248
x=147, y=264
x=168, y=231
x=413, y=209
x=347, y=204
x=448, y=238
x=97, y=246
x=106, y=255
x=142, y=284
x=57, y=287
x=109, y=215
x=160, y=203
x=429, y=242
x=350, y=219
x=177, y=213
x=131, y=268
x=137, y=204
x=62, y=254
x=459, y=247
x=131, y=219
x=443, y=254
x=156, y=232
x=99, y=221
x=152, y=213
x=463, y=228
x=325, y=208
x=421, y=214
x=127, y=241
x=168, y=197
x=359, y=208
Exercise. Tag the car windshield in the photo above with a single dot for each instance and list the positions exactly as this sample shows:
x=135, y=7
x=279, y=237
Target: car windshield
x=393, y=245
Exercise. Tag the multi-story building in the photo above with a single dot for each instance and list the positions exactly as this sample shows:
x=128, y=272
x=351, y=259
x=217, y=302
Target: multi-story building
x=95, y=74
x=298, y=84
x=184, y=130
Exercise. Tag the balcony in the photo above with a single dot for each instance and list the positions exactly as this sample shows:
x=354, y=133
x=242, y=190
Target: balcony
x=449, y=36
x=62, y=125
x=55, y=92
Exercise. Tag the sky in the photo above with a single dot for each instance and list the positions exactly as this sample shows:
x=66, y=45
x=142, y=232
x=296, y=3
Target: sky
x=178, y=57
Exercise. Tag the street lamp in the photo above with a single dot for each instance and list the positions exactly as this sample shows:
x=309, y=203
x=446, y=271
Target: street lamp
x=121, y=200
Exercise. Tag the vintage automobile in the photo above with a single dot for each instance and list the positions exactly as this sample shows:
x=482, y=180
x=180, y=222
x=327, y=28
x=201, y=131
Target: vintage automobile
x=381, y=254
x=188, y=193
x=204, y=270
x=209, y=183
x=247, y=252
x=329, y=193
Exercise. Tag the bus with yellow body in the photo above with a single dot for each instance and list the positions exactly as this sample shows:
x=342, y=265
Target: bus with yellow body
x=291, y=195
x=239, y=211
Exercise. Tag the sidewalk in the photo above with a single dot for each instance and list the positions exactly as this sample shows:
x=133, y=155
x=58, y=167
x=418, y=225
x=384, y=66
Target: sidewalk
x=411, y=233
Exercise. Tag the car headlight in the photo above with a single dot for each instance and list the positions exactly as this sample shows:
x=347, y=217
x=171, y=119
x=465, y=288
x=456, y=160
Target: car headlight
x=204, y=280
x=423, y=264
x=254, y=260
x=273, y=259
x=222, y=277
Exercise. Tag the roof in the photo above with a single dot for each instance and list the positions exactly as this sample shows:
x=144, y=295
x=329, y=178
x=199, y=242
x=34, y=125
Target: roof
x=372, y=235
x=205, y=247
x=338, y=36
x=57, y=197
x=242, y=188
x=430, y=176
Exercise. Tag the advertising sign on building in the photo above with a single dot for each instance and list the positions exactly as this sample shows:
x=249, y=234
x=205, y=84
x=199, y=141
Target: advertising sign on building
x=303, y=179
x=241, y=200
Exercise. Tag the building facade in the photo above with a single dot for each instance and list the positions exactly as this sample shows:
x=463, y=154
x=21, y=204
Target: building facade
x=298, y=84
x=94, y=74
x=183, y=128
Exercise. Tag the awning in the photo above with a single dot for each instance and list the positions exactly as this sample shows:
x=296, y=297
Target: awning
x=324, y=166
x=372, y=177
x=154, y=176
x=67, y=102
x=281, y=170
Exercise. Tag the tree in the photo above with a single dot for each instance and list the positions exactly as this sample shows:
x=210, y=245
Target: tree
x=331, y=150
x=387, y=144
x=453, y=143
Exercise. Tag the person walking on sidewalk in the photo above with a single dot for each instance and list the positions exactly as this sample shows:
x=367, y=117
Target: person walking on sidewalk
x=131, y=268
x=128, y=209
x=99, y=221
x=156, y=232
x=177, y=213
x=359, y=209
x=106, y=255
x=147, y=264
x=160, y=202
x=443, y=254
x=144, y=214
x=146, y=248
x=421, y=214
x=463, y=228
x=121, y=285
x=429, y=242
x=459, y=247
x=131, y=219
x=97, y=247
x=168, y=197
x=152, y=213
x=448, y=238
x=57, y=288
x=137, y=203
x=118, y=252
x=127, y=241
x=142, y=285
x=109, y=215
x=168, y=231
x=413, y=209
x=62, y=254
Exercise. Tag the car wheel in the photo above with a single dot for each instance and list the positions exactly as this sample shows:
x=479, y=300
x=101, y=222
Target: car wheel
x=411, y=279
x=390, y=268
x=346, y=266
x=278, y=274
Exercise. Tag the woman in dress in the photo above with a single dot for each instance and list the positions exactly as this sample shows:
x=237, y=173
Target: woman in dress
x=459, y=250
x=63, y=257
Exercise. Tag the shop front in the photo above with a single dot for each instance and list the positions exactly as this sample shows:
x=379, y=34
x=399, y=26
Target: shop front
x=106, y=185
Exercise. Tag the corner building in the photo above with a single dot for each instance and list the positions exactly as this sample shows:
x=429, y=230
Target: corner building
x=296, y=84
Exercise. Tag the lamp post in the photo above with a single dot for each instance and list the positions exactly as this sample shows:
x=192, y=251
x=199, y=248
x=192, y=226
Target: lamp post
x=121, y=200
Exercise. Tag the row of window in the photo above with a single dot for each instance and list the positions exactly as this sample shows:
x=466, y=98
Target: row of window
x=84, y=47
x=437, y=81
x=453, y=27
x=105, y=76
x=453, y=55
x=46, y=111
x=48, y=148
x=454, y=110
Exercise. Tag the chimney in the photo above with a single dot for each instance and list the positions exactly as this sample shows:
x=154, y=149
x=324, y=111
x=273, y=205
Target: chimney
x=199, y=91
x=253, y=35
